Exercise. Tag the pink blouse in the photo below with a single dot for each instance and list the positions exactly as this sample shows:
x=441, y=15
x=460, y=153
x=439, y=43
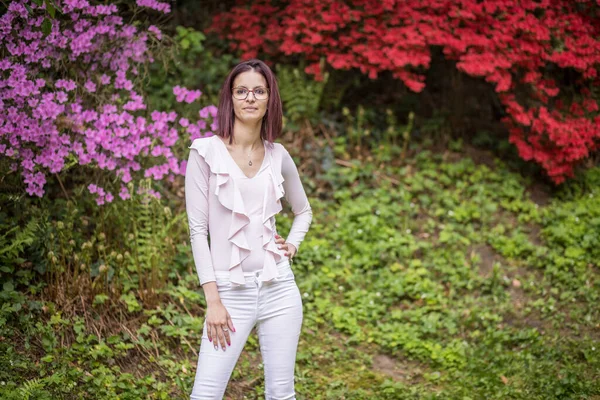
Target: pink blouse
x=238, y=213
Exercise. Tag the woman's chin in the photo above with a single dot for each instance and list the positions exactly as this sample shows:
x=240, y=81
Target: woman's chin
x=250, y=118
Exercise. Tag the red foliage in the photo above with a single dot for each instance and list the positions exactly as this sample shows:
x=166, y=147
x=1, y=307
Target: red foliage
x=520, y=46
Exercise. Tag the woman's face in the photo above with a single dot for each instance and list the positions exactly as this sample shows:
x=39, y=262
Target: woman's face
x=250, y=109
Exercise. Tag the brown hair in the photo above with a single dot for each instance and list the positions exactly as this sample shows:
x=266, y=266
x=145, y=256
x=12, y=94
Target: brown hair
x=272, y=121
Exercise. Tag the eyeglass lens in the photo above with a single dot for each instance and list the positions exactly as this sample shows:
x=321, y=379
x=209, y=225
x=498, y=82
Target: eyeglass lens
x=241, y=93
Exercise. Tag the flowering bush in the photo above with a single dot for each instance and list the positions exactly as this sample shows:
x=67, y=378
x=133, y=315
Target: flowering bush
x=68, y=86
x=523, y=48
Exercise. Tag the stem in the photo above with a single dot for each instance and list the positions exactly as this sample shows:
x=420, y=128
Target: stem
x=62, y=186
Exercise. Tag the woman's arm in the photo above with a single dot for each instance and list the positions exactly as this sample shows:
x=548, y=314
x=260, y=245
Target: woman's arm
x=296, y=197
x=196, y=203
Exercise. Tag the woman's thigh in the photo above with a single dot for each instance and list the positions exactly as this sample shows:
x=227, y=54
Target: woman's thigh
x=216, y=365
x=279, y=325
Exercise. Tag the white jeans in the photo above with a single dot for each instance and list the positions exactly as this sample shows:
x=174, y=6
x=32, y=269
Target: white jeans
x=275, y=307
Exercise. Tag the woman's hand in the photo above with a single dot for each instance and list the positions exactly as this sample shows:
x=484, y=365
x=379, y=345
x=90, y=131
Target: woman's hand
x=218, y=318
x=289, y=248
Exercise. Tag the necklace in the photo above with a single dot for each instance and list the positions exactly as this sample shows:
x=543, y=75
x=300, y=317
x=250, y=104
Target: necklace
x=249, y=159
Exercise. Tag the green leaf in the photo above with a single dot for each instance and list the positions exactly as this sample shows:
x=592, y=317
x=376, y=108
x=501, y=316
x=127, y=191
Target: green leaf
x=58, y=8
x=100, y=299
x=50, y=8
x=181, y=30
x=46, y=26
x=49, y=358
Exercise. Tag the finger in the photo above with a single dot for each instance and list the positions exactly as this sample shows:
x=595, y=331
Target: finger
x=218, y=334
x=221, y=337
x=292, y=249
x=230, y=323
x=208, y=332
x=227, y=337
x=215, y=336
x=279, y=239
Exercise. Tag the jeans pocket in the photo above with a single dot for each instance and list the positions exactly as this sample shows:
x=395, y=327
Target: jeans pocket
x=223, y=284
x=286, y=276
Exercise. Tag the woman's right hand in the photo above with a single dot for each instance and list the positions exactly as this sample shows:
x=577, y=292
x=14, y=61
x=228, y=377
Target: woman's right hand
x=217, y=318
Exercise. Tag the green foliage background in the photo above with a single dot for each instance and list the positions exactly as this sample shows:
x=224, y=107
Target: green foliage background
x=432, y=270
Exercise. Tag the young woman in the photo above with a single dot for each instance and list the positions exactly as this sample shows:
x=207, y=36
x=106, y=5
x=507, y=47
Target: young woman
x=234, y=184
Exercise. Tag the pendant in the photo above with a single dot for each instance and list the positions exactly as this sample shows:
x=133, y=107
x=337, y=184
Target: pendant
x=250, y=162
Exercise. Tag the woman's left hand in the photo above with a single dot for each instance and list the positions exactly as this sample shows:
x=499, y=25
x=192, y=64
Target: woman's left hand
x=288, y=247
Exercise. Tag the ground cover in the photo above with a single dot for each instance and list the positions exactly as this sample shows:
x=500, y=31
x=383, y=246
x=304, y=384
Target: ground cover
x=441, y=278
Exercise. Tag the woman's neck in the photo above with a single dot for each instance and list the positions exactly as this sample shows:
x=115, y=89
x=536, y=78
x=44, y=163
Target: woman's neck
x=246, y=136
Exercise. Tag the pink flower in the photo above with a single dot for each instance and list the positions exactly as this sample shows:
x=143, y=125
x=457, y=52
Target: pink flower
x=124, y=193
x=90, y=86
x=68, y=85
x=61, y=97
x=182, y=94
x=155, y=5
x=156, y=31
x=49, y=120
x=208, y=110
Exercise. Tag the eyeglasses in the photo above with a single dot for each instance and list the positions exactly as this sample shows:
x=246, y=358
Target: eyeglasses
x=260, y=93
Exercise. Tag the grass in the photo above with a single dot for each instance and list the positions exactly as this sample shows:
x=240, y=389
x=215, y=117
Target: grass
x=436, y=279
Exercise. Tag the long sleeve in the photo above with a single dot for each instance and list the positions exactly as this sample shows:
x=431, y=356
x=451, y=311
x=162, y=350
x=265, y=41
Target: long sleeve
x=296, y=197
x=196, y=203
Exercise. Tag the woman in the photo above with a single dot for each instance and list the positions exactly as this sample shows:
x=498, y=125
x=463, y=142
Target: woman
x=234, y=183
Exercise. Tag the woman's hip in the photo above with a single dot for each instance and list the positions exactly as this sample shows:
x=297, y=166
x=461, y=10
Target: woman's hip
x=254, y=278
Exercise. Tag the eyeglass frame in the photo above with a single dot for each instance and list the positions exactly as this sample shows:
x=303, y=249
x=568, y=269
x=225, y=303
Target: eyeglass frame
x=251, y=90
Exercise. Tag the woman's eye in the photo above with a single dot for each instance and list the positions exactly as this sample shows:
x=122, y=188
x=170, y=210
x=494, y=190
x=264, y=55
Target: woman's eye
x=260, y=91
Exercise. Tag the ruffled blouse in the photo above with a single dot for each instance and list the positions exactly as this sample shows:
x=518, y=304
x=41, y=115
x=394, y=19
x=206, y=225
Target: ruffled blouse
x=221, y=202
